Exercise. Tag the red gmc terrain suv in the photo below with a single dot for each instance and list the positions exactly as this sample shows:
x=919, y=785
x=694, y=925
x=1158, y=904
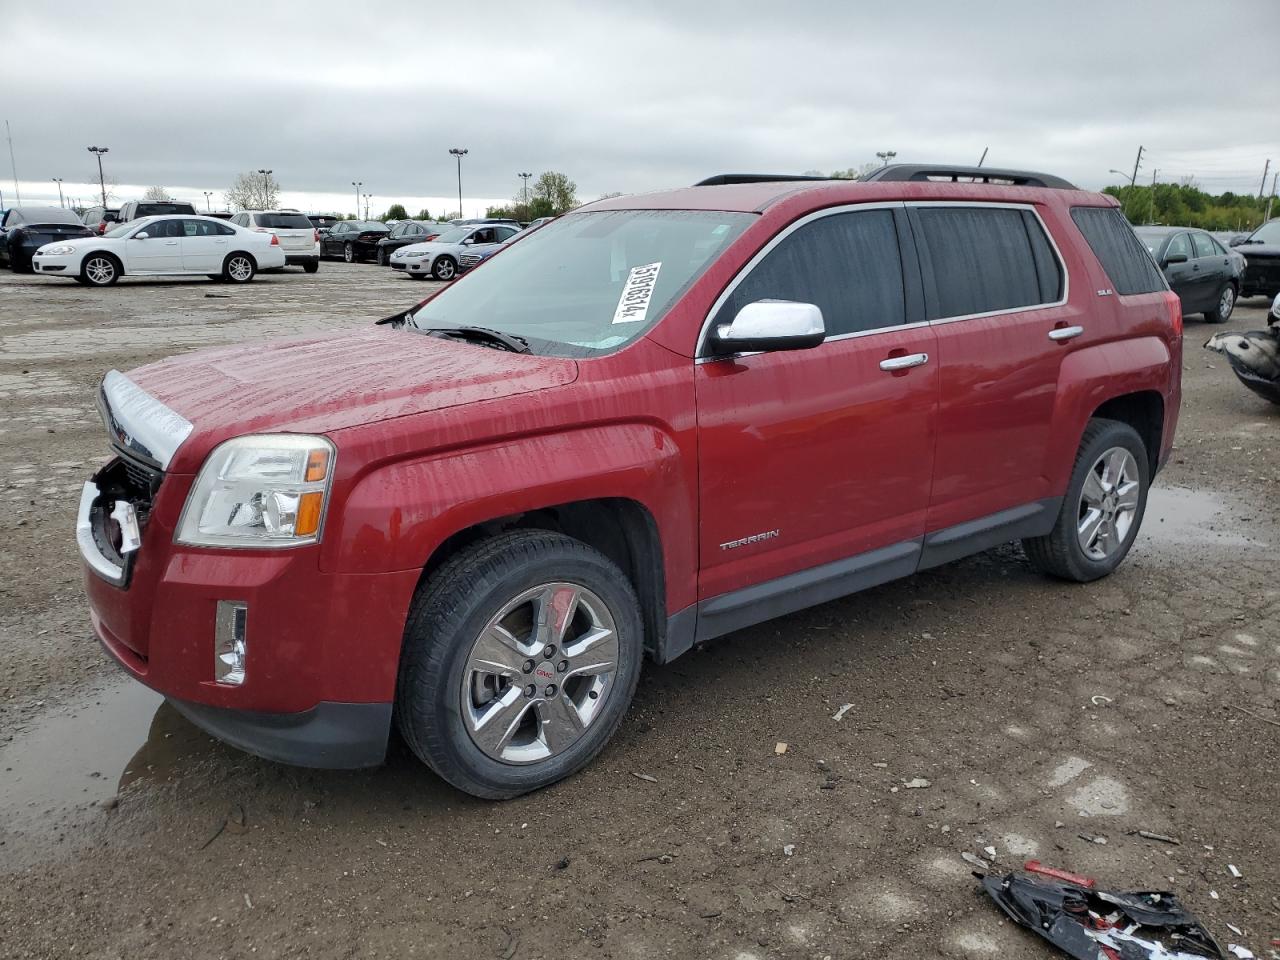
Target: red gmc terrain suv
x=652, y=422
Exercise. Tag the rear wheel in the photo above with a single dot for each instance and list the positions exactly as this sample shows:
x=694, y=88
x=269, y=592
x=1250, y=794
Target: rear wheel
x=520, y=658
x=1103, y=508
x=311, y=266
x=1226, y=303
x=239, y=268
x=444, y=268
x=100, y=270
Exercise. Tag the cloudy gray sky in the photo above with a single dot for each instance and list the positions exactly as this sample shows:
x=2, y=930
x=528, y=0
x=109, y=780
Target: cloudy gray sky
x=625, y=96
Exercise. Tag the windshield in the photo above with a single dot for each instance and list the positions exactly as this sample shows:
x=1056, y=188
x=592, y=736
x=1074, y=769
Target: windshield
x=1267, y=233
x=124, y=229
x=151, y=209
x=588, y=282
x=454, y=235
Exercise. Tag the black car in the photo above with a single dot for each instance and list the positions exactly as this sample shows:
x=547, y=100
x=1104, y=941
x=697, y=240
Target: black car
x=406, y=232
x=1262, y=250
x=100, y=219
x=23, y=230
x=133, y=209
x=1204, y=274
x=353, y=240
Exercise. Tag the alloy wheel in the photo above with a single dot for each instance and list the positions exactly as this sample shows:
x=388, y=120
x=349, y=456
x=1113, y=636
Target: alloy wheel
x=445, y=270
x=539, y=674
x=1108, y=503
x=100, y=270
x=1227, y=302
x=240, y=269
x=348, y=253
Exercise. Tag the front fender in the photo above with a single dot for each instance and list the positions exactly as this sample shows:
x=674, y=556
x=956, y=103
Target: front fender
x=1090, y=376
x=394, y=517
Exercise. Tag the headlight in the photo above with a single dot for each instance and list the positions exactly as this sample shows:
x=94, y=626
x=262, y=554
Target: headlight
x=416, y=254
x=61, y=250
x=269, y=490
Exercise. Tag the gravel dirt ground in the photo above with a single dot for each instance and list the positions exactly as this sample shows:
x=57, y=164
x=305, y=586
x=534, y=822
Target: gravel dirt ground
x=1045, y=717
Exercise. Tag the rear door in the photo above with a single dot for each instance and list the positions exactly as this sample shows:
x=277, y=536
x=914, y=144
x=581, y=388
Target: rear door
x=995, y=290
x=205, y=244
x=820, y=456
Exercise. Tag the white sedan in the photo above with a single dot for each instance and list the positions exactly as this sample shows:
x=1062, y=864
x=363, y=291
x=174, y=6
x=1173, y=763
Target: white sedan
x=440, y=257
x=162, y=246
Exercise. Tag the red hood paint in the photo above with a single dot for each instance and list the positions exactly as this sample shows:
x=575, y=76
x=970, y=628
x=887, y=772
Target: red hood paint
x=321, y=384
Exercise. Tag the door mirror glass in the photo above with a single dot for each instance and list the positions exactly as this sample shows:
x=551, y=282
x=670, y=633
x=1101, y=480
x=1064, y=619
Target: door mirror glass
x=1175, y=258
x=772, y=325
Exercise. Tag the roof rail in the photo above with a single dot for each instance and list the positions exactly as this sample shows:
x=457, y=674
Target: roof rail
x=720, y=179
x=923, y=172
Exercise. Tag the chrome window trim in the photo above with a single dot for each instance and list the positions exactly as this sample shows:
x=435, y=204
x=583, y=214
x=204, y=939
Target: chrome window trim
x=764, y=252
x=1053, y=245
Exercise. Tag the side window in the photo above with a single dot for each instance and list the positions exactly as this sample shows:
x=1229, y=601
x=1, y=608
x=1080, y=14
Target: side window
x=238, y=219
x=505, y=232
x=483, y=236
x=1218, y=249
x=221, y=230
x=1203, y=245
x=1179, y=245
x=1123, y=256
x=848, y=264
x=983, y=260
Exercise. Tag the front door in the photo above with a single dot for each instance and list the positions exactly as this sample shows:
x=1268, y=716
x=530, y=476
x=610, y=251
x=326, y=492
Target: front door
x=815, y=464
x=160, y=251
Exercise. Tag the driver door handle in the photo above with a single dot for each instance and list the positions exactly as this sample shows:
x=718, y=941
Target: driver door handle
x=171, y=243
x=1065, y=333
x=904, y=363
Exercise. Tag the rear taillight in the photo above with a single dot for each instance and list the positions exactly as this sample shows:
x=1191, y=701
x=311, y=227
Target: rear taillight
x=432, y=236
x=102, y=228
x=1175, y=313
x=275, y=241
x=316, y=238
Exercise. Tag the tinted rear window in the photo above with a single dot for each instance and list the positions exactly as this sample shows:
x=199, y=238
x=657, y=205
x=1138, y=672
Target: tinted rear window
x=985, y=260
x=283, y=221
x=1123, y=256
x=42, y=215
x=156, y=209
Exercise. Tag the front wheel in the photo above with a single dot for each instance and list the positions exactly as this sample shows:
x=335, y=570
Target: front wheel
x=311, y=266
x=382, y=257
x=239, y=268
x=348, y=253
x=1225, y=304
x=444, y=268
x=100, y=270
x=520, y=657
x=1103, y=508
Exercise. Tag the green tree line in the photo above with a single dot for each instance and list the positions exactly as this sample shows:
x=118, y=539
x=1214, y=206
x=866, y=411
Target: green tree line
x=1186, y=205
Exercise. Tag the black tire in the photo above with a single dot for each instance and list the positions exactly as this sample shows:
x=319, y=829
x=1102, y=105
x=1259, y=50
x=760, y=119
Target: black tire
x=239, y=267
x=348, y=253
x=444, y=268
x=80, y=280
x=1225, y=304
x=100, y=269
x=214, y=276
x=311, y=266
x=415, y=276
x=1059, y=554
x=382, y=257
x=453, y=607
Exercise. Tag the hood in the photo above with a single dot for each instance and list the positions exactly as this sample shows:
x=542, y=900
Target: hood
x=430, y=246
x=322, y=384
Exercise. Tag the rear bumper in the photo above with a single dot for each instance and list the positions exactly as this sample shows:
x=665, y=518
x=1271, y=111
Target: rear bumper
x=335, y=736
x=300, y=259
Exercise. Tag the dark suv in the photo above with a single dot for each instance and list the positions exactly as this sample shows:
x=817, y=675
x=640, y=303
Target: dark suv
x=654, y=421
x=1262, y=251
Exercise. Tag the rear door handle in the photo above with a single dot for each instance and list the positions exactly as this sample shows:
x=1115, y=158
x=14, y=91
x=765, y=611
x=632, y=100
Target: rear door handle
x=904, y=363
x=1065, y=333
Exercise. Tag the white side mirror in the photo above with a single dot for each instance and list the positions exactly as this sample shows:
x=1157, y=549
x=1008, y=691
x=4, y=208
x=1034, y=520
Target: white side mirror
x=142, y=235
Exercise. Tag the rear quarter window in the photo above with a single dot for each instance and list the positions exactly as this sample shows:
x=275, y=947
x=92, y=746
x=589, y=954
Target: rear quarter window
x=1124, y=257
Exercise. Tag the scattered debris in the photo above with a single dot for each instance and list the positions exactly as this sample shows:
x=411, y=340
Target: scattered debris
x=217, y=296
x=1148, y=835
x=1098, y=699
x=1234, y=929
x=1256, y=716
x=882, y=766
x=919, y=783
x=788, y=849
x=844, y=708
x=1101, y=841
x=217, y=832
x=709, y=915
x=780, y=748
x=1213, y=894
x=508, y=949
x=562, y=863
x=1244, y=953
x=974, y=860
x=645, y=777
x=990, y=852
x=247, y=902
x=1088, y=923
x=1231, y=868
x=660, y=857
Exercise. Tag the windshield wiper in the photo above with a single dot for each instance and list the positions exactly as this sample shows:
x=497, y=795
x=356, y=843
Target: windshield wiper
x=485, y=335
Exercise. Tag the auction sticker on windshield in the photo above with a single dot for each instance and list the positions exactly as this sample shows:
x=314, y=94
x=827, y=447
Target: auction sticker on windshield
x=636, y=293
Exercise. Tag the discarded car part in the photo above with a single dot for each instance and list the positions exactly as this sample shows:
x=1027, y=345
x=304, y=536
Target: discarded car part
x=1254, y=357
x=1092, y=924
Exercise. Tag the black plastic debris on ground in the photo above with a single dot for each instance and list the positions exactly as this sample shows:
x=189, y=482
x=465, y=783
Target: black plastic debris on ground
x=1091, y=924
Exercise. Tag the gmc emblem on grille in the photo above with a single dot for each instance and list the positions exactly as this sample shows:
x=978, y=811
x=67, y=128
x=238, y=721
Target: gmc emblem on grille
x=754, y=538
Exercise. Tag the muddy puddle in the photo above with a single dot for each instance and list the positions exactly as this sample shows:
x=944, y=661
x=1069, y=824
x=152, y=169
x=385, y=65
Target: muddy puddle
x=1179, y=516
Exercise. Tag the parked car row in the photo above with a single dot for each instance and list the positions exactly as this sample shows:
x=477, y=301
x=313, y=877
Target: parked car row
x=1205, y=275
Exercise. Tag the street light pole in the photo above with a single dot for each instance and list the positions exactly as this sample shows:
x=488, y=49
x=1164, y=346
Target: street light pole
x=886, y=155
x=266, y=187
x=367, y=198
x=459, y=152
x=357, y=184
x=58, y=181
x=207, y=205
x=102, y=183
x=525, y=177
